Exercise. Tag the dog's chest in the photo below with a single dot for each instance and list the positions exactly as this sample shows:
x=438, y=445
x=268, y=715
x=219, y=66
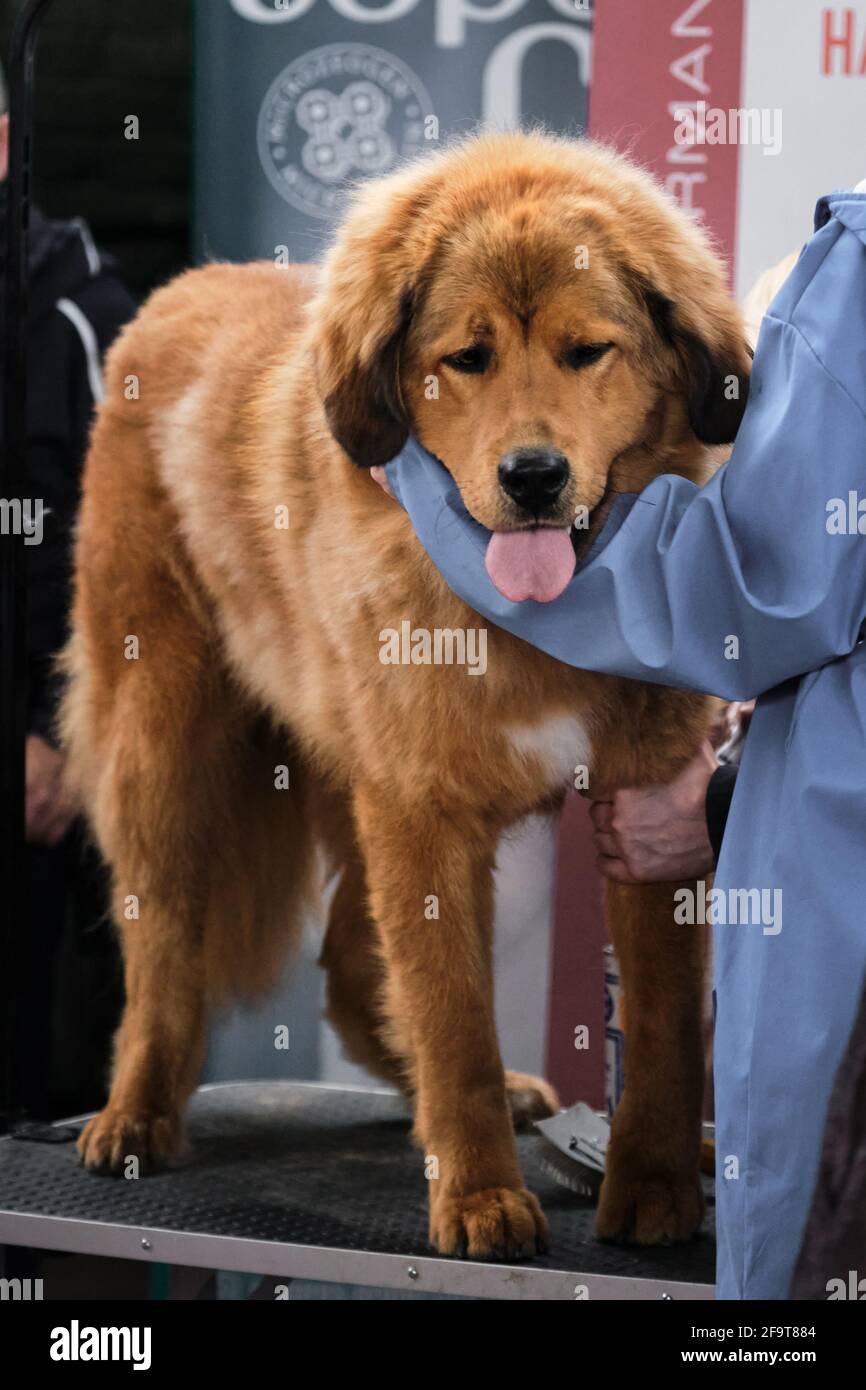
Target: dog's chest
x=559, y=746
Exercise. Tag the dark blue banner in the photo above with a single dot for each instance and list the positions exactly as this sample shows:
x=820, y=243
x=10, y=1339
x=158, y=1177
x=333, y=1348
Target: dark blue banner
x=296, y=99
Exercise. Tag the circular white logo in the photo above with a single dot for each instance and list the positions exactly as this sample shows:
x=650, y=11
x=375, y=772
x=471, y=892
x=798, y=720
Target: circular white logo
x=339, y=112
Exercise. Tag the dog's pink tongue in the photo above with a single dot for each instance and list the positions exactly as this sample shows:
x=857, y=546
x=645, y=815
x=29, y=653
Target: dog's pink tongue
x=530, y=564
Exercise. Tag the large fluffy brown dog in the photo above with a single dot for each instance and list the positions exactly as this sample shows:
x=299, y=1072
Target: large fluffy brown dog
x=554, y=330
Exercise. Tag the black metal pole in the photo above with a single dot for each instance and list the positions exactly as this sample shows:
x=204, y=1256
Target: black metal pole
x=13, y=488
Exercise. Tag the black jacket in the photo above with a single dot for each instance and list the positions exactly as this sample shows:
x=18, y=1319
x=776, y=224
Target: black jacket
x=720, y=793
x=77, y=306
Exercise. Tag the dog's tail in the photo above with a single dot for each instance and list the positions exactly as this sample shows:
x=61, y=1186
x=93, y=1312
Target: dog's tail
x=263, y=874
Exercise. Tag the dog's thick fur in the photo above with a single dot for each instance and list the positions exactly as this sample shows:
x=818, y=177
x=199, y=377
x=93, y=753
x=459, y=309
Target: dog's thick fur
x=213, y=646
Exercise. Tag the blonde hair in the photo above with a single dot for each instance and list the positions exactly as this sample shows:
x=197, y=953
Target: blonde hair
x=763, y=292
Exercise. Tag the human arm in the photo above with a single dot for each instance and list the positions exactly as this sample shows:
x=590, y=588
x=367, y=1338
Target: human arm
x=734, y=587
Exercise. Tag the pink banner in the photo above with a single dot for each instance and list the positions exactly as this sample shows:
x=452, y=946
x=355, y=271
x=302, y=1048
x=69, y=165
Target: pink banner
x=575, y=1012
x=650, y=61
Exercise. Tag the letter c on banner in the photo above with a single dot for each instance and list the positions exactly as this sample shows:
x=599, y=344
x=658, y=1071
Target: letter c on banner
x=271, y=11
x=355, y=9
x=451, y=17
x=502, y=86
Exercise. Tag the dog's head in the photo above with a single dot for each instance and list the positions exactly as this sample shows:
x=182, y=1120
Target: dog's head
x=546, y=321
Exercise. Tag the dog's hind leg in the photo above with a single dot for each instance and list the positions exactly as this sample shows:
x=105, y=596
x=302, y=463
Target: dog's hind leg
x=351, y=955
x=153, y=734
x=154, y=816
x=355, y=982
x=159, y=1047
x=531, y=1098
x=213, y=860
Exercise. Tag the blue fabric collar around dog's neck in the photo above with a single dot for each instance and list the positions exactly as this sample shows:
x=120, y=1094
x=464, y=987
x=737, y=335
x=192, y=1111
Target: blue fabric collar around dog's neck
x=457, y=544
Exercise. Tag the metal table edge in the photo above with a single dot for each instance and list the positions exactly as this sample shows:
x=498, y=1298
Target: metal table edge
x=422, y=1273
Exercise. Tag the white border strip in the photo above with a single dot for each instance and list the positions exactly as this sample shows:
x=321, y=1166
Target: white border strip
x=81, y=323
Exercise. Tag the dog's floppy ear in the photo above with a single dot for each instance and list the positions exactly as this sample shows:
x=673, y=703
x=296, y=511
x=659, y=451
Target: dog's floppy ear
x=717, y=373
x=369, y=289
x=357, y=369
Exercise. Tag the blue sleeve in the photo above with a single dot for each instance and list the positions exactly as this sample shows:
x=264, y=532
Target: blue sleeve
x=731, y=588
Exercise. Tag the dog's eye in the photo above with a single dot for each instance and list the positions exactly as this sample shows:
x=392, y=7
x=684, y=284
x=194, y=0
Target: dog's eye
x=469, y=359
x=584, y=354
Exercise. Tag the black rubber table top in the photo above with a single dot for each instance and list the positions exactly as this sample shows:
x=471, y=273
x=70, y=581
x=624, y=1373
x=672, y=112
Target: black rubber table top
x=310, y=1165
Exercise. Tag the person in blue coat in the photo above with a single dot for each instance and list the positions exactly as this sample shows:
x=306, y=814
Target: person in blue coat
x=753, y=585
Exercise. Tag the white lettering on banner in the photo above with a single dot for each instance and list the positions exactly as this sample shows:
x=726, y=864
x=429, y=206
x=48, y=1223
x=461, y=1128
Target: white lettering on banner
x=452, y=16
x=271, y=12
x=689, y=69
x=502, y=88
x=335, y=112
x=681, y=27
x=353, y=9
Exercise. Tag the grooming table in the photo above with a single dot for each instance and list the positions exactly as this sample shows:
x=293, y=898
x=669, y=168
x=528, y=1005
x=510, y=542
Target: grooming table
x=303, y=1181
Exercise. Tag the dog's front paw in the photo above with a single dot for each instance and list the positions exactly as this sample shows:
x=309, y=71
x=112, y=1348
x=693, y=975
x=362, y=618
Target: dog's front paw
x=115, y=1135
x=531, y=1098
x=652, y=1192
x=649, y=1207
x=504, y=1223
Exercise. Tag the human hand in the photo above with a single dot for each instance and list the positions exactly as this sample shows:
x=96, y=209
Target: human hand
x=48, y=810
x=657, y=834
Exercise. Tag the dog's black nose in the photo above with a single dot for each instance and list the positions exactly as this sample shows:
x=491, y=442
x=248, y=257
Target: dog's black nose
x=534, y=478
